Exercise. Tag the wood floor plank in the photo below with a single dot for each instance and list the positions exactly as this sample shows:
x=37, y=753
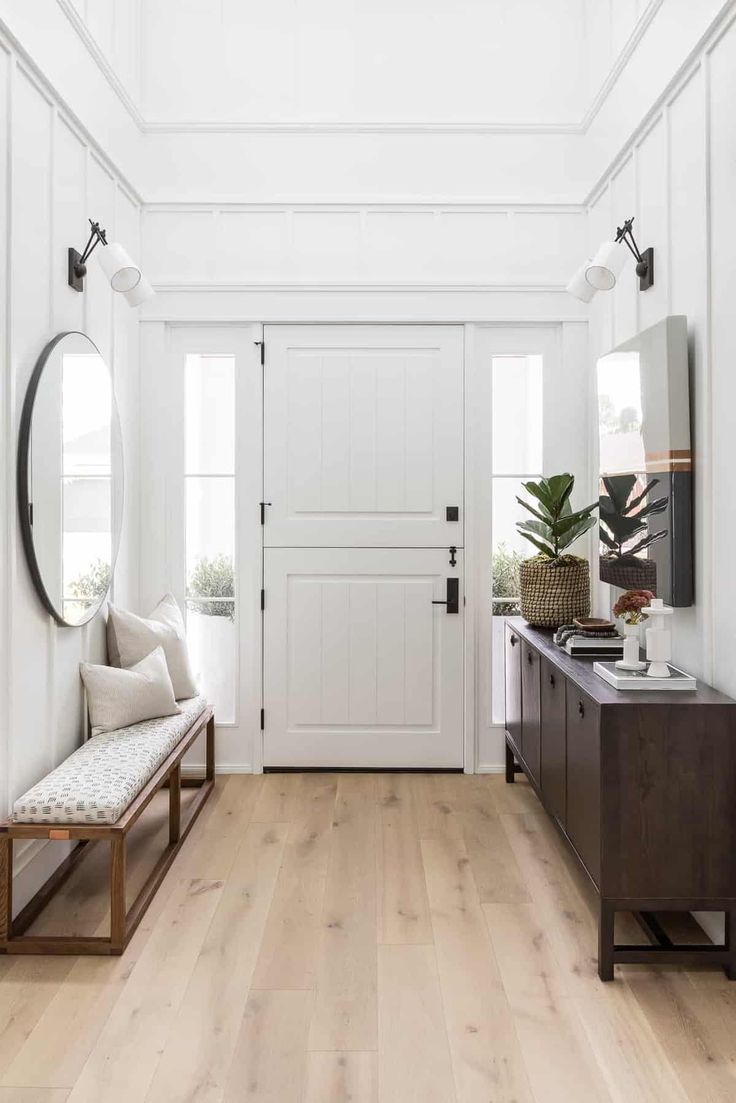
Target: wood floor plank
x=632, y=1057
x=433, y=806
x=200, y=1045
x=334, y=1077
x=486, y=1058
x=559, y=1060
x=289, y=951
x=278, y=799
x=413, y=1049
x=526, y=961
x=213, y=850
x=270, y=1055
x=345, y=1011
x=403, y=911
x=495, y=868
x=124, y=1059
x=27, y=989
x=33, y=1095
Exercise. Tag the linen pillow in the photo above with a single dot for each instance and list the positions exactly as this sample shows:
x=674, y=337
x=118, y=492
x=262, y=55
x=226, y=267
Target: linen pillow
x=130, y=638
x=117, y=698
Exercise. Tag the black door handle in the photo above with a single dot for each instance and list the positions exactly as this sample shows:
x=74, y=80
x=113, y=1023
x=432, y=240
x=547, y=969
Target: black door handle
x=453, y=596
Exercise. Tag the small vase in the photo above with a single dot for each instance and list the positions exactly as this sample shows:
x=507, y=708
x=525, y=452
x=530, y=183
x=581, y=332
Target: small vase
x=631, y=660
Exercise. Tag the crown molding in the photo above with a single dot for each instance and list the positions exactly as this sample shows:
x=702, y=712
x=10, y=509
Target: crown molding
x=237, y=126
x=348, y=204
x=102, y=62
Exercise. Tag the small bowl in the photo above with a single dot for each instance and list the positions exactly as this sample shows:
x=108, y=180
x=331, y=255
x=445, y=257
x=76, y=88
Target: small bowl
x=592, y=623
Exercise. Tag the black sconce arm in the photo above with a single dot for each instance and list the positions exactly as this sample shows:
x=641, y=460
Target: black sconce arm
x=78, y=261
x=644, y=261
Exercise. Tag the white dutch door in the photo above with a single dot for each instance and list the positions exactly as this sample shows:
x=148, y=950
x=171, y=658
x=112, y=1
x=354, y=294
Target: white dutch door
x=363, y=473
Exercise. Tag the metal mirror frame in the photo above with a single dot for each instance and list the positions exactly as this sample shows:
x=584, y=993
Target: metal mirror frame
x=23, y=468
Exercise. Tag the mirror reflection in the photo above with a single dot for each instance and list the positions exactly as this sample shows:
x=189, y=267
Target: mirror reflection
x=74, y=478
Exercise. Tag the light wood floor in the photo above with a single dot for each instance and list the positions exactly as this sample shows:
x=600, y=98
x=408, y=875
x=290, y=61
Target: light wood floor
x=332, y=938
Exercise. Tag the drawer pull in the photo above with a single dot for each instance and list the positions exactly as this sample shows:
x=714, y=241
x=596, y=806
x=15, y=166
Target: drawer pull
x=581, y=708
x=552, y=680
x=529, y=657
x=513, y=641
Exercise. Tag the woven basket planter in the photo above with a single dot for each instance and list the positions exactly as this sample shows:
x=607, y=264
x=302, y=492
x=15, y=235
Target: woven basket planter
x=630, y=574
x=554, y=593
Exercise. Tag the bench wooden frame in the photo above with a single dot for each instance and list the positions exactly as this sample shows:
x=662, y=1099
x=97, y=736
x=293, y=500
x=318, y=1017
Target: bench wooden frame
x=123, y=923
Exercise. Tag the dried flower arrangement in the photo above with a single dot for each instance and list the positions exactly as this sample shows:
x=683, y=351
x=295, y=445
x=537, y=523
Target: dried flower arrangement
x=630, y=605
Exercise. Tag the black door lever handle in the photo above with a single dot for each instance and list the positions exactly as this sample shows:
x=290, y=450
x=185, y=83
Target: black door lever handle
x=453, y=596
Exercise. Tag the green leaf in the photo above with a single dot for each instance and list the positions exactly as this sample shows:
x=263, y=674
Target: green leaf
x=575, y=533
x=571, y=519
x=645, y=543
x=545, y=549
x=619, y=488
x=657, y=506
x=539, y=528
x=560, y=489
x=607, y=540
x=539, y=491
x=640, y=497
x=541, y=516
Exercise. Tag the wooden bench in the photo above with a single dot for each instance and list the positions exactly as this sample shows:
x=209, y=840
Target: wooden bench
x=123, y=922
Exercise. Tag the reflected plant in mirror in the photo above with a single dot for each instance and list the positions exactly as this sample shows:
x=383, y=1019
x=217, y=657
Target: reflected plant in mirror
x=70, y=478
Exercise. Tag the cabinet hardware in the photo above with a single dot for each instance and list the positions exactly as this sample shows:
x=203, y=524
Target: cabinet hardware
x=552, y=680
x=513, y=640
x=453, y=554
x=581, y=708
x=452, y=513
x=529, y=657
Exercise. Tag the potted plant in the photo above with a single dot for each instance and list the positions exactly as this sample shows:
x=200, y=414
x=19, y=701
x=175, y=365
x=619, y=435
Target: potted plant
x=554, y=585
x=624, y=530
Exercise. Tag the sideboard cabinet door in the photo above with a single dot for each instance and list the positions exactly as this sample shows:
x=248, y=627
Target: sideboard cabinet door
x=583, y=813
x=530, y=710
x=554, y=741
x=513, y=686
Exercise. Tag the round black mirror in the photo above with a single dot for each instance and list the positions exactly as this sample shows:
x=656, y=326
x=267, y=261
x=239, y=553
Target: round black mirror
x=70, y=478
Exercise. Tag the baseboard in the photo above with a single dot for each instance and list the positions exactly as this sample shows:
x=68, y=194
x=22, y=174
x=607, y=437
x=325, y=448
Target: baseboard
x=490, y=768
x=194, y=769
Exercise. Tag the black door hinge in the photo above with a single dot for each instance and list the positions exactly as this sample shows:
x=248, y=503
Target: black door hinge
x=263, y=600
x=263, y=511
x=263, y=351
x=263, y=719
x=30, y=514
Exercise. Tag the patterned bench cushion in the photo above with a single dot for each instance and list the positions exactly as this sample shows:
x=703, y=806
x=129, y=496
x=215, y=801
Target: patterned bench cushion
x=97, y=782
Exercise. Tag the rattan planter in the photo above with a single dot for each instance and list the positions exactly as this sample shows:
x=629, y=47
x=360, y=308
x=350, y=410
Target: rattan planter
x=554, y=593
x=629, y=573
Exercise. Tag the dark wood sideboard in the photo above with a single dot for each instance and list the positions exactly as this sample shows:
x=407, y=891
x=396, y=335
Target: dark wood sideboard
x=642, y=785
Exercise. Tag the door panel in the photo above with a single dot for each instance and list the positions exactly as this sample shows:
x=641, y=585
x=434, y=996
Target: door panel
x=361, y=669
x=583, y=778
x=363, y=436
x=530, y=710
x=554, y=740
x=513, y=686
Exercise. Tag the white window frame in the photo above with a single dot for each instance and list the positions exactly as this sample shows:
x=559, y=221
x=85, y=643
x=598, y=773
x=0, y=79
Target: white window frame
x=565, y=446
x=239, y=746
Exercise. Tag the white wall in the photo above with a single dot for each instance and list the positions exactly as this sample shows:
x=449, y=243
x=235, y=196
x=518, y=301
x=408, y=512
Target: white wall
x=679, y=177
x=52, y=177
x=325, y=61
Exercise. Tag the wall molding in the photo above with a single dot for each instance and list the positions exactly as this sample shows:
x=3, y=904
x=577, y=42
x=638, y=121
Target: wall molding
x=298, y=126
x=349, y=288
x=392, y=204
x=705, y=44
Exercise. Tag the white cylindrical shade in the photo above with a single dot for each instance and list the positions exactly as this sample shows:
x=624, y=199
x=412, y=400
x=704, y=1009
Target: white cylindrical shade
x=606, y=265
x=140, y=293
x=579, y=286
x=122, y=273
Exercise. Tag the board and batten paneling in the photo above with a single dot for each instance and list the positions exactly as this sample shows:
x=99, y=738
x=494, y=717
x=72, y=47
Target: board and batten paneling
x=241, y=244
x=55, y=180
x=677, y=175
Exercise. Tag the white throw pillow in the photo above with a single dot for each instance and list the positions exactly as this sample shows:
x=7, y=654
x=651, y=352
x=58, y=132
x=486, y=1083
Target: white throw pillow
x=130, y=638
x=117, y=698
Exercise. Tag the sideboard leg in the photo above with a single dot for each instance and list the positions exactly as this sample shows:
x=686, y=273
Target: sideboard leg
x=510, y=771
x=606, y=919
x=730, y=940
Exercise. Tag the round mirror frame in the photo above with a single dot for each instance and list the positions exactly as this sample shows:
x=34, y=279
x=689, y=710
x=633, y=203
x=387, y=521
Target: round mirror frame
x=23, y=467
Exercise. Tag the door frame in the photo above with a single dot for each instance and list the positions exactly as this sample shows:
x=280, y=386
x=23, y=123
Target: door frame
x=563, y=338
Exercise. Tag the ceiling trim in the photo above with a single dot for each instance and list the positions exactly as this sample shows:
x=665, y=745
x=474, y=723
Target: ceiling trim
x=237, y=126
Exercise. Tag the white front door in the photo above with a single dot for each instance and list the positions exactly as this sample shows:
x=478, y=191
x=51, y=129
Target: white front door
x=363, y=480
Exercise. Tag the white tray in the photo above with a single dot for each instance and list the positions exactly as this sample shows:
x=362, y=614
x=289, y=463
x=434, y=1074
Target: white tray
x=639, y=679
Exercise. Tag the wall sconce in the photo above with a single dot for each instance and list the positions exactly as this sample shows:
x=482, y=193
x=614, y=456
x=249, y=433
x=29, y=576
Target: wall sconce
x=600, y=273
x=124, y=276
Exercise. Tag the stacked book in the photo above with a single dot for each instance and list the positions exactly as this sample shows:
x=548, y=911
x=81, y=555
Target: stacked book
x=601, y=647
